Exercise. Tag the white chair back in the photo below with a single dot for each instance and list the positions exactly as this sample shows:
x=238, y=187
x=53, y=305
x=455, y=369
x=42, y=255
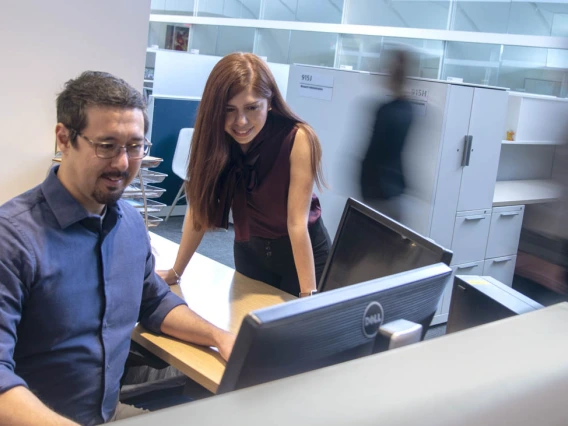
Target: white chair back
x=181, y=154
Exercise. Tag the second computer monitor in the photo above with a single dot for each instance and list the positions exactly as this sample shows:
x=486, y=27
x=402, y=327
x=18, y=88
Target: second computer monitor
x=370, y=245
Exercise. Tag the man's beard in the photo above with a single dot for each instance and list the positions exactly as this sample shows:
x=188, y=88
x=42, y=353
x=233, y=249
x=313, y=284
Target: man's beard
x=107, y=197
x=111, y=197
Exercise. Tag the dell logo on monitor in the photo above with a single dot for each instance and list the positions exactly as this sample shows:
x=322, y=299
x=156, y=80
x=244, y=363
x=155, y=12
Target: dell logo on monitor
x=372, y=319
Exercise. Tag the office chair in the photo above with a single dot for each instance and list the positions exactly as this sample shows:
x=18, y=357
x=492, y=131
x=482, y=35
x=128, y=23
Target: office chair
x=180, y=162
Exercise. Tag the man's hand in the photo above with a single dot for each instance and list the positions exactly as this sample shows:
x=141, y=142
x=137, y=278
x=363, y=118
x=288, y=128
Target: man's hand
x=225, y=342
x=184, y=324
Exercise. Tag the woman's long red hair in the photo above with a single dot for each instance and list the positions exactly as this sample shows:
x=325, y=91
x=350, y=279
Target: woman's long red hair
x=210, y=145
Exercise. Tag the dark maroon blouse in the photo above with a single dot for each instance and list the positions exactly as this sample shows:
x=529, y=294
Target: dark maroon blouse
x=255, y=184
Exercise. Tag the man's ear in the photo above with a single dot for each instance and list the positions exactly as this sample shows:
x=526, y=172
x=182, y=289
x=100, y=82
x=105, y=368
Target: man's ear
x=62, y=138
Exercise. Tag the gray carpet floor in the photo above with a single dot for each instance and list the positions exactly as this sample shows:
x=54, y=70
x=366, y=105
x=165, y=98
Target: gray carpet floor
x=218, y=245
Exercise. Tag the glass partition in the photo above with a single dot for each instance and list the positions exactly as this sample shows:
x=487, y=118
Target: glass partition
x=173, y=7
x=273, y=44
x=326, y=11
x=475, y=63
x=243, y=9
x=407, y=14
x=311, y=48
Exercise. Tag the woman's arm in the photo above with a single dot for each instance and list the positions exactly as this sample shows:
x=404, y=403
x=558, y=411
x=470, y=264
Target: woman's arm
x=190, y=240
x=299, y=199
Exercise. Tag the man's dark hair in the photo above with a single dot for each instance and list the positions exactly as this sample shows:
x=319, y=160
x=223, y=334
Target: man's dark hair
x=98, y=89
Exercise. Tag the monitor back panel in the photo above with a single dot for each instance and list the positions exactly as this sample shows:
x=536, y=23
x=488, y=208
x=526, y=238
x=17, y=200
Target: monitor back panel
x=480, y=300
x=311, y=333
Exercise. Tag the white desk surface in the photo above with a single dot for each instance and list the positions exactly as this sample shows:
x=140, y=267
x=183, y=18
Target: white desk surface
x=510, y=372
x=217, y=293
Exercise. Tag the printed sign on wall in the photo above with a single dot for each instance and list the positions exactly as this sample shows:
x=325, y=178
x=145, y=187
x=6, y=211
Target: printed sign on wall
x=316, y=86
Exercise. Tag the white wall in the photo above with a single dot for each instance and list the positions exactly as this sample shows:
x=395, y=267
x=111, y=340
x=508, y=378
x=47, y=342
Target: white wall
x=44, y=44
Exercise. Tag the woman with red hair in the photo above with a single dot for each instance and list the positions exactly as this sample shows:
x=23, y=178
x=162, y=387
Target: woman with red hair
x=252, y=154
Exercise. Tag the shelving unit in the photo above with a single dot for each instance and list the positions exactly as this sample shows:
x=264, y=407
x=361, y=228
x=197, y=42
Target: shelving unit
x=515, y=192
x=529, y=176
x=537, y=120
x=527, y=164
x=140, y=194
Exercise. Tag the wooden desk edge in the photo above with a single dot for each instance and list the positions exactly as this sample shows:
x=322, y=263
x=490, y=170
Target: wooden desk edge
x=238, y=285
x=196, y=376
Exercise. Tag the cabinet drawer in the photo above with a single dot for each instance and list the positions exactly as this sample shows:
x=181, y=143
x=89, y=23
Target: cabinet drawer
x=505, y=230
x=501, y=268
x=473, y=268
x=470, y=236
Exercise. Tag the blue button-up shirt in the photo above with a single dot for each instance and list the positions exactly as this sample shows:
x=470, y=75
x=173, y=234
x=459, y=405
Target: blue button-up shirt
x=72, y=287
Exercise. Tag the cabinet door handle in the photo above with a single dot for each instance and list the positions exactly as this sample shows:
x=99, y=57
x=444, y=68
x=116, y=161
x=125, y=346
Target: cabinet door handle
x=509, y=214
x=467, y=266
x=467, y=144
x=502, y=260
x=478, y=217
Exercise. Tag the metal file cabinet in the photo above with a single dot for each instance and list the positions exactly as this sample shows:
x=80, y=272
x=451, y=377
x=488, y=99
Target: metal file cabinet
x=469, y=241
x=504, y=232
x=501, y=268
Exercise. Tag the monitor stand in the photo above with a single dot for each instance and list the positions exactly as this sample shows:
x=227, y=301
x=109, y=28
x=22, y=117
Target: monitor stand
x=396, y=334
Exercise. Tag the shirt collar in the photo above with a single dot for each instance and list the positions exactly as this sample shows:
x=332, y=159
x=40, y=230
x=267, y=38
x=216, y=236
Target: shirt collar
x=66, y=209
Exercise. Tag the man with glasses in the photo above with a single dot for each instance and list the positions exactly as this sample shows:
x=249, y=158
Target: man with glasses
x=77, y=271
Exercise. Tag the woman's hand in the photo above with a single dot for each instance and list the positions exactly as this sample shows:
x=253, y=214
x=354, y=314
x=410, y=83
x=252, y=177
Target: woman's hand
x=168, y=275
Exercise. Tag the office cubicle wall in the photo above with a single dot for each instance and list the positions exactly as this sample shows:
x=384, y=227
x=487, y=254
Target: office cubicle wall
x=510, y=372
x=181, y=73
x=185, y=74
x=168, y=116
x=340, y=106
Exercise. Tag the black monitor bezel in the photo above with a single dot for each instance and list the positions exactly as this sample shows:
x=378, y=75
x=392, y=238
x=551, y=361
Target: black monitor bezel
x=351, y=203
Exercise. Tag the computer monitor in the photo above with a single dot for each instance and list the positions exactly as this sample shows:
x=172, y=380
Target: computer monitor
x=480, y=300
x=329, y=328
x=370, y=245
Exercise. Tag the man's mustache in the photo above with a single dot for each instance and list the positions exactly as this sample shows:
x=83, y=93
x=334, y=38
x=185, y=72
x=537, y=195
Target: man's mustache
x=115, y=175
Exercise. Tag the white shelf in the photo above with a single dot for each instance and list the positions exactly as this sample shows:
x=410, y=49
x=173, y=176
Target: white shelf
x=513, y=192
x=506, y=142
x=537, y=96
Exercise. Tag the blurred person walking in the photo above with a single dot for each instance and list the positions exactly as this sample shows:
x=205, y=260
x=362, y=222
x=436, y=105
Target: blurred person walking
x=382, y=176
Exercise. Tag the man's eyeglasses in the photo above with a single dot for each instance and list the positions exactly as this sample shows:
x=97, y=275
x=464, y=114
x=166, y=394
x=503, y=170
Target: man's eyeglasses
x=108, y=150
